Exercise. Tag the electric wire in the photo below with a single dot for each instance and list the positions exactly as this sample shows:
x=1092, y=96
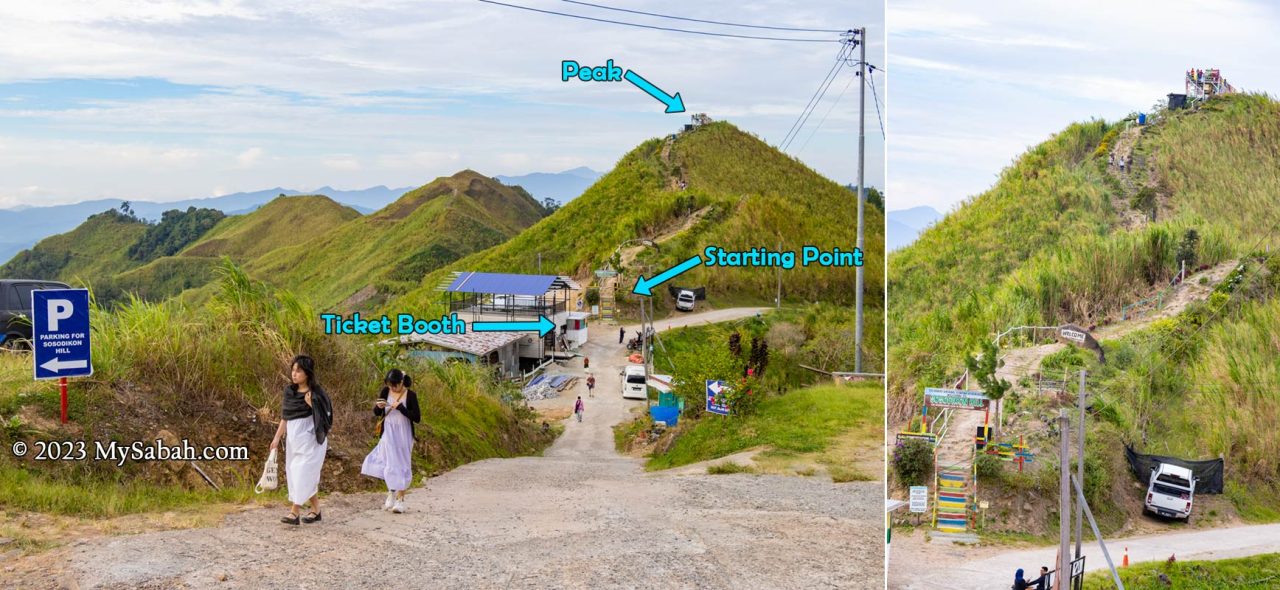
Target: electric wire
x=697, y=20
x=659, y=28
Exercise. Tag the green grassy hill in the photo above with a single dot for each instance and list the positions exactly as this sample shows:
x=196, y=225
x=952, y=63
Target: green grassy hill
x=241, y=238
x=282, y=222
x=1061, y=237
x=96, y=249
x=740, y=193
x=389, y=251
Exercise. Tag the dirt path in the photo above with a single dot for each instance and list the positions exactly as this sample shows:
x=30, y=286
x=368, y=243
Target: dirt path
x=957, y=568
x=581, y=516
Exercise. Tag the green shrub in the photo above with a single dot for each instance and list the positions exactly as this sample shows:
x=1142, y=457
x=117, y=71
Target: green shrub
x=913, y=462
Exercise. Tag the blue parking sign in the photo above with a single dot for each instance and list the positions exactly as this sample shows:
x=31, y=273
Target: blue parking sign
x=716, y=400
x=60, y=333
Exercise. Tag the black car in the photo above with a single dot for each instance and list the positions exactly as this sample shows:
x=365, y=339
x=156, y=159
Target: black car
x=15, y=310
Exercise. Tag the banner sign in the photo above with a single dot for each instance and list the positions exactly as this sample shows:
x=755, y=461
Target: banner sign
x=963, y=399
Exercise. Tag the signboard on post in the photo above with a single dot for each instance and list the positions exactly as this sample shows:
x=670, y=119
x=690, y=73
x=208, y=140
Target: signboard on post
x=919, y=499
x=1072, y=335
x=962, y=399
x=60, y=333
x=716, y=402
x=60, y=337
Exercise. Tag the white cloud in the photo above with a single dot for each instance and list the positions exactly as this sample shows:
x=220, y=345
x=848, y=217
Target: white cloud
x=249, y=157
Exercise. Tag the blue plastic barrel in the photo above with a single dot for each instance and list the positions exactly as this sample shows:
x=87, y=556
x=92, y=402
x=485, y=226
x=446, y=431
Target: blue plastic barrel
x=1142, y=118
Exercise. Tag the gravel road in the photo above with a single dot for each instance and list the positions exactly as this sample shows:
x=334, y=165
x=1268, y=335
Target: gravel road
x=581, y=516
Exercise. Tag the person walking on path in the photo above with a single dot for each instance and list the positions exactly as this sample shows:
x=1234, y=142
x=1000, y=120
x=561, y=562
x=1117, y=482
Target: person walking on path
x=306, y=417
x=392, y=460
x=622, y=333
x=578, y=408
x=591, y=385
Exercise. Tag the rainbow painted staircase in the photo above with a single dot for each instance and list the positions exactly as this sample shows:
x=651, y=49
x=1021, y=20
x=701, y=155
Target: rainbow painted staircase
x=953, y=494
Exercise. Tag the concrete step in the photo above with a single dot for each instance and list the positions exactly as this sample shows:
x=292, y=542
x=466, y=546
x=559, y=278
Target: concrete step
x=959, y=537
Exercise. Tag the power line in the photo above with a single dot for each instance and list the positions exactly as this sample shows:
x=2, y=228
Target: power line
x=655, y=27
x=696, y=20
x=813, y=100
x=825, y=115
x=875, y=97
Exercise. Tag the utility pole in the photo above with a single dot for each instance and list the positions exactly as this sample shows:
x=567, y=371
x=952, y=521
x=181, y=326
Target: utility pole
x=539, y=263
x=1064, y=501
x=1080, y=469
x=862, y=142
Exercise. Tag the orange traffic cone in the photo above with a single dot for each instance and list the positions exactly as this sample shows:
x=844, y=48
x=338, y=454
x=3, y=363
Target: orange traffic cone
x=1125, y=563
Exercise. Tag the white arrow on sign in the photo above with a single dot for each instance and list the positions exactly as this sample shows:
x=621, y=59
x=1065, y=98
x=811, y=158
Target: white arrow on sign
x=56, y=365
x=716, y=388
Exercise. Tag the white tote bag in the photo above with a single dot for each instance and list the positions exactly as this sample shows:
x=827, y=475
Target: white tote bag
x=270, y=479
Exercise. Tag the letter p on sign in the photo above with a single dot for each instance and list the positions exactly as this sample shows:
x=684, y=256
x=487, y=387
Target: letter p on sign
x=59, y=309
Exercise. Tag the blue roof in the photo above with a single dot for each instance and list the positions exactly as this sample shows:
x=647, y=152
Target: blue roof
x=501, y=283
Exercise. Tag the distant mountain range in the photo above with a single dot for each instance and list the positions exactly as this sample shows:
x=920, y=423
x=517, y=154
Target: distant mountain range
x=562, y=186
x=22, y=227
x=905, y=225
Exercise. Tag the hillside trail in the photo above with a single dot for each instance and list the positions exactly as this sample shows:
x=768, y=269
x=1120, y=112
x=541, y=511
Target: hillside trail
x=1017, y=363
x=967, y=568
x=1122, y=151
x=580, y=516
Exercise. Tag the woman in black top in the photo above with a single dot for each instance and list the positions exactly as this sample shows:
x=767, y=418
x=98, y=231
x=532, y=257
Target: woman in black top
x=306, y=418
x=392, y=460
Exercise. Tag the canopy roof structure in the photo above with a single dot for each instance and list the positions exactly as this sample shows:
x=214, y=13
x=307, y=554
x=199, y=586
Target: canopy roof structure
x=507, y=283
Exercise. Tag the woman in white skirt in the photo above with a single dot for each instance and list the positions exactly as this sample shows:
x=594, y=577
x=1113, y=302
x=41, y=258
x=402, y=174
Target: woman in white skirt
x=392, y=460
x=306, y=417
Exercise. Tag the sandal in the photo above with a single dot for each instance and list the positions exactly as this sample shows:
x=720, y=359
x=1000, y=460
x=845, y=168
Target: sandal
x=311, y=517
x=290, y=519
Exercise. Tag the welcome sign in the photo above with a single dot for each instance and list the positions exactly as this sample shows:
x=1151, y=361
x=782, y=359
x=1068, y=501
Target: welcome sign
x=963, y=399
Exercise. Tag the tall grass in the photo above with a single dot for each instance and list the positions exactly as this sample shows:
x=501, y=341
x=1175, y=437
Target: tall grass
x=1043, y=247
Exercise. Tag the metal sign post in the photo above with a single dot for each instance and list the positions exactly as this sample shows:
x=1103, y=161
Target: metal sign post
x=60, y=337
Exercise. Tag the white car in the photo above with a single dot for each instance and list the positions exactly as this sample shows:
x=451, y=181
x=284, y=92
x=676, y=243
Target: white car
x=685, y=300
x=634, y=384
x=1170, y=491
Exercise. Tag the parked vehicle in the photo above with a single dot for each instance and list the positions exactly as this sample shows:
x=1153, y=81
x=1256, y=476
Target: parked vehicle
x=685, y=300
x=634, y=384
x=1170, y=491
x=15, y=310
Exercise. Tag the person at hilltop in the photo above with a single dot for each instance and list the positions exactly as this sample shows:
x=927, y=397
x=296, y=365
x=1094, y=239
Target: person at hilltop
x=578, y=408
x=306, y=417
x=392, y=460
x=591, y=385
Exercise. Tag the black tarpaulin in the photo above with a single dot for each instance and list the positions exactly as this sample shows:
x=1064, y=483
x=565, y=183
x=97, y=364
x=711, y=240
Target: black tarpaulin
x=1208, y=474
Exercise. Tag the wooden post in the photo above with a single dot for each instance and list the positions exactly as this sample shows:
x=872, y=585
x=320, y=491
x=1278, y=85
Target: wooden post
x=62, y=390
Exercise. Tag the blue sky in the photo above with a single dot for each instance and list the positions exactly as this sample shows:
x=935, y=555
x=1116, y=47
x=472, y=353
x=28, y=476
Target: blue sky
x=165, y=100
x=974, y=88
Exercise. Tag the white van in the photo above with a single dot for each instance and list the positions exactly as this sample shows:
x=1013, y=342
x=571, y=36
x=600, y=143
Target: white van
x=633, y=382
x=1170, y=491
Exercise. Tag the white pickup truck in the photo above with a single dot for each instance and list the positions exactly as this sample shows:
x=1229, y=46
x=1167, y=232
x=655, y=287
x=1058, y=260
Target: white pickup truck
x=1170, y=491
x=685, y=300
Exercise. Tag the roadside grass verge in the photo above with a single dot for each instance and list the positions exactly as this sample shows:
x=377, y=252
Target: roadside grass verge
x=802, y=421
x=1256, y=572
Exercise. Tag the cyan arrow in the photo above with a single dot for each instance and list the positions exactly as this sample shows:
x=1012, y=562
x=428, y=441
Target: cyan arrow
x=645, y=286
x=674, y=103
x=542, y=326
